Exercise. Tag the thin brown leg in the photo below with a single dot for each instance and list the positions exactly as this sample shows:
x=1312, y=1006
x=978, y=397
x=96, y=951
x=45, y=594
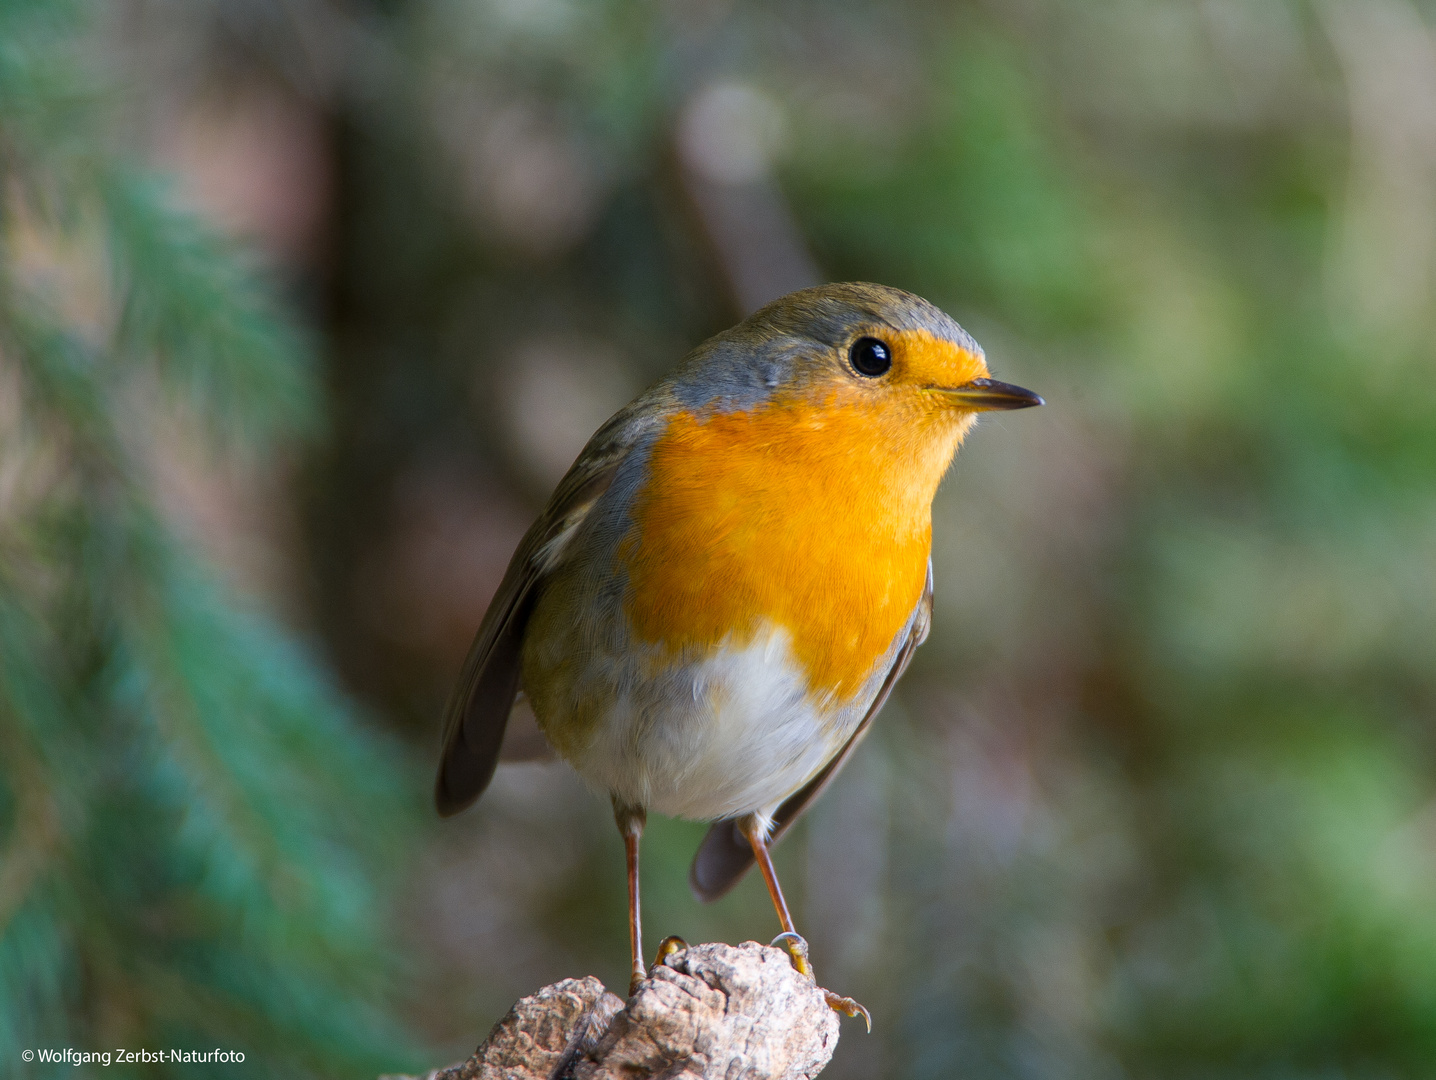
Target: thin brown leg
x=790, y=939
x=631, y=820
x=754, y=831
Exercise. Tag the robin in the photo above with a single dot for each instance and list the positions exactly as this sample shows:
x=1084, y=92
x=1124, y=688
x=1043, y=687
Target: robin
x=725, y=586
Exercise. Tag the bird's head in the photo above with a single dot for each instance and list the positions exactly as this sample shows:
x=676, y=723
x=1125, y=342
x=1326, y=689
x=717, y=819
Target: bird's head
x=877, y=364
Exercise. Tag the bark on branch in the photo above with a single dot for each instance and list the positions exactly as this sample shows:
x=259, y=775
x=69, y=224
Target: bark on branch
x=708, y=1011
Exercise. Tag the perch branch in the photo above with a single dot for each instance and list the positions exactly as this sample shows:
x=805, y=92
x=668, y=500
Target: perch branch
x=707, y=1011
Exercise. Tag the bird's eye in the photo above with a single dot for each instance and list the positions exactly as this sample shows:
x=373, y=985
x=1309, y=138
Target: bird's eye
x=870, y=357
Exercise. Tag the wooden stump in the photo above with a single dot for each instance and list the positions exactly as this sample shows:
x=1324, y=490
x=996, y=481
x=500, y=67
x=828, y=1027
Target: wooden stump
x=708, y=1011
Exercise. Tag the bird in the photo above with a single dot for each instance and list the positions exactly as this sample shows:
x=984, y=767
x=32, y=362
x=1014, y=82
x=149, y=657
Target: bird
x=722, y=591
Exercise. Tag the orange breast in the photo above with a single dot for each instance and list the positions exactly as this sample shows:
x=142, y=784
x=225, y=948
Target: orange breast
x=814, y=516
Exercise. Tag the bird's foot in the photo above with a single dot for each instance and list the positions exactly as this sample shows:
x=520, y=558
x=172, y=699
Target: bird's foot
x=667, y=947
x=848, y=1007
x=797, y=948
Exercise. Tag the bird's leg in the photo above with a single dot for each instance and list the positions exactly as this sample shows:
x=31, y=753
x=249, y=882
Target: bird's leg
x=755, y=829
x=631, y=820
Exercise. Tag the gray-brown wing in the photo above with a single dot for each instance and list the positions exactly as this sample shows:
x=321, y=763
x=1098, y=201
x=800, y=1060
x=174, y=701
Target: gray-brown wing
x=724, y=856
x=478, y=709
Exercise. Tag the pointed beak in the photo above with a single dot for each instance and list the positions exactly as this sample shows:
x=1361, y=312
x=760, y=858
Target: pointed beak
x=988, y=395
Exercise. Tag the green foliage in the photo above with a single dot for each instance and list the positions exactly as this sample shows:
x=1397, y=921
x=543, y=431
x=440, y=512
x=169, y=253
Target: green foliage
x=173, y=871
x=194, y=304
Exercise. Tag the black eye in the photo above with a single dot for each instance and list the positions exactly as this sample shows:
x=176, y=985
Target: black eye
x=870, y=357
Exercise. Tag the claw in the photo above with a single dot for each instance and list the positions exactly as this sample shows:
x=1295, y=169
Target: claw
x=848, y=1007
x=667, y=947
x=797, y=948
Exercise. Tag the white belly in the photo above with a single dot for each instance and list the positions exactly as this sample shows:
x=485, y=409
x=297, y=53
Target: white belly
x=734, y=733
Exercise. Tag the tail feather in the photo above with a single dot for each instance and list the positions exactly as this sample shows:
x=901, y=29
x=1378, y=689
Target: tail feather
x=722, y=860
x=480, y=712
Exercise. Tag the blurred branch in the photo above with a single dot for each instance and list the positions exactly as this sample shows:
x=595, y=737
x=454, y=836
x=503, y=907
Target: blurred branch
x=708, y=1011
x=726, y=137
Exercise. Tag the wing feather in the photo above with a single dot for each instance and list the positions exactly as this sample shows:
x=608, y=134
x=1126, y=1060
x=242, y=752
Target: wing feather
x=479, y=707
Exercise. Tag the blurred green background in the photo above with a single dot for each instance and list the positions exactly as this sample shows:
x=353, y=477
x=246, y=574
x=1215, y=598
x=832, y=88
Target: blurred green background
x=304, y=307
